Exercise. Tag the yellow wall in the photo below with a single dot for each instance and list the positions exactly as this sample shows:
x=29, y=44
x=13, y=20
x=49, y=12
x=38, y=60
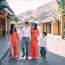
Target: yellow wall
x=55, y=28
x=4, y=17
x=6, y=24
x=45, y=27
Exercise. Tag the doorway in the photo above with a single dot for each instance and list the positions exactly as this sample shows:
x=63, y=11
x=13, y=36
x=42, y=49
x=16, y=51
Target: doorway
x=49, y=28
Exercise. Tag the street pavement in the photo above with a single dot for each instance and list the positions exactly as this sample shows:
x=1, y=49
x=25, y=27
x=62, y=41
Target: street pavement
x=4, y=47
x=55, y=55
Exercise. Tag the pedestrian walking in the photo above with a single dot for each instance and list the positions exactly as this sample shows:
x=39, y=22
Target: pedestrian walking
x=33, y=51
x=13, y=38
x=26, y=39
x=43, y=45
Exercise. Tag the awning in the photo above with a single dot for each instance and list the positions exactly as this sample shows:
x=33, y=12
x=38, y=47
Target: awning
x=7, y=9
x=49, y=19
x=2, y=0
x=34, y=21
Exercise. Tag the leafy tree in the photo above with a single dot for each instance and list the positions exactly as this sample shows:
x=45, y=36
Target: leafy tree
x=61, y=3
x=16, y=18
x=59, y=7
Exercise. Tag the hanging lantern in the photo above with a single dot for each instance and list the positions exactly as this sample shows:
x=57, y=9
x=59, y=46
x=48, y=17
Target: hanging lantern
x=3, y=13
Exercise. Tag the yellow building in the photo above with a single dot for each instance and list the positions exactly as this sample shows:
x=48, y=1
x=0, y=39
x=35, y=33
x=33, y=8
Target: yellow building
x=56, y=27
x=51, y=27
x=3, y=24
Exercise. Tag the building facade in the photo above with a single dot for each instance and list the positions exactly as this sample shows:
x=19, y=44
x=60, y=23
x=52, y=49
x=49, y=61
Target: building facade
x=5, y=15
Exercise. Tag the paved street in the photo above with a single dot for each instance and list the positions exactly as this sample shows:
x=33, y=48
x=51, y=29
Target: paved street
x=47, y=16
x=55, y=55
x=4, y=46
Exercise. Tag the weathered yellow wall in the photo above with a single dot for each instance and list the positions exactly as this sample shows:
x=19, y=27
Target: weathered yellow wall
x=55, y=28
x=6, y=24
x=45, y=27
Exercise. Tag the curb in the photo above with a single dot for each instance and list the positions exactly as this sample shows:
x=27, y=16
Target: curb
x=56, y=38
x=4, y=56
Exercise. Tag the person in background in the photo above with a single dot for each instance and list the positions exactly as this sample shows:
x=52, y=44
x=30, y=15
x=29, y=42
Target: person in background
x=21, y=33
x=33, y=51
x=13, y=38
x=43, y=45
x=26, y=39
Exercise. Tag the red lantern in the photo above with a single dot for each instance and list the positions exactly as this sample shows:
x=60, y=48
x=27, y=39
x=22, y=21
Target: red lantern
x=3, y=13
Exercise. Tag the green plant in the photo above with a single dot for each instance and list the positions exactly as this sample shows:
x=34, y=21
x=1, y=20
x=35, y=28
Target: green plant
x=16, y=18
x=64, y=25
x=4, y=31
x=64, y=32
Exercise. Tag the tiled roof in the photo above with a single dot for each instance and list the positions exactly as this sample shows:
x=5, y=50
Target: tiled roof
x=46, y=11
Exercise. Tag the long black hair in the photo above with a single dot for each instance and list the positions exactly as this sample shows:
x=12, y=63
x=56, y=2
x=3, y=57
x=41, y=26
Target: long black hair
x=11, y=28
x=35, y=26
x=26, y=23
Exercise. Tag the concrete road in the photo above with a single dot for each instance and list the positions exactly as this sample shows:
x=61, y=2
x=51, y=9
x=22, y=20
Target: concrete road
x=55, y=55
